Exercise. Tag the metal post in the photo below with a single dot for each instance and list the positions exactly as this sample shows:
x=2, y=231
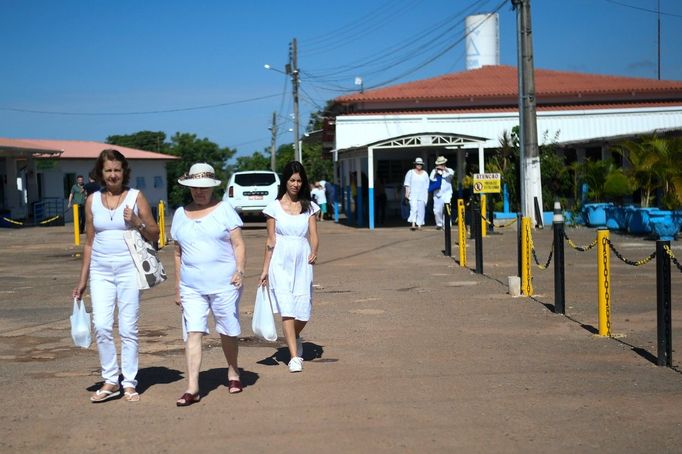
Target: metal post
x=519, y=249
x=663, y=306
x=462, y=232
x=446, y=228
x=273, y=142
x=484, y=213
x=559, y=274
x=76, y=226
x=604, y=281
x=526, y=270
x=478, y=236
x=162, y=224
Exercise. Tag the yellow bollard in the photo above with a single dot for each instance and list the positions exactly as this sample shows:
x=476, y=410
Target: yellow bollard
x=76, y=226
x=462, y=231
x=526, y=270
x=604, y=282
x=162, y=224
x=484, y=214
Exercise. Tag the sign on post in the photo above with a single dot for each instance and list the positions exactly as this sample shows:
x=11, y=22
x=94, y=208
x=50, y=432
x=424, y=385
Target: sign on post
x=487, y=183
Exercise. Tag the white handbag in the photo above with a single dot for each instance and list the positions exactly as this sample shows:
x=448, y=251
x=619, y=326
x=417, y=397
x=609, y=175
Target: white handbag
x=263, y=322
x=80, y=325
x=149, y=267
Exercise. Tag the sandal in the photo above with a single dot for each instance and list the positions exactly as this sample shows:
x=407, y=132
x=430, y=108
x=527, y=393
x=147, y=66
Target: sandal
x=102, y=395
x=187, y=399
x=131, y=395
x=234, y=386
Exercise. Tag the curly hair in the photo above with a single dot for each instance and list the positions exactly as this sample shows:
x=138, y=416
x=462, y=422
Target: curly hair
x=111, y=154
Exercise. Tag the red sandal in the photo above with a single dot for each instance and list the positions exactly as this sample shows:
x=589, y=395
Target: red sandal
x=235, y=386
x=188, y=399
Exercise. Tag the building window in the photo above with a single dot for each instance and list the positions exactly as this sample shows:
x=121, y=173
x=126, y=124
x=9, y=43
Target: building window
x=158, y=182
x=139, y=183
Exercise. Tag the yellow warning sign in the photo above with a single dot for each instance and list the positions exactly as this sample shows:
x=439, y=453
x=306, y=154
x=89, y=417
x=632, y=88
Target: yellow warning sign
x=487, y=183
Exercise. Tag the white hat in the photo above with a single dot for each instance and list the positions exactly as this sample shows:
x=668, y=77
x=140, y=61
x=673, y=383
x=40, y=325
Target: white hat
x=419, y=161
x=200, y=175
x=441, y=160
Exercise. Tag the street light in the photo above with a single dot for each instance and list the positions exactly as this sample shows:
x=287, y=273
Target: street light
x=292, y=70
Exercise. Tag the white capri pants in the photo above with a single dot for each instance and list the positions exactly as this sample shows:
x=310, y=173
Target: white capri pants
x=113, y=283
x=438, y=204
x=224, y=306
x=417, y=211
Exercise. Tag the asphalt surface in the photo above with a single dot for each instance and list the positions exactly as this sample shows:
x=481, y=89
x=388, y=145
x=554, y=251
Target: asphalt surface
x=406, y=351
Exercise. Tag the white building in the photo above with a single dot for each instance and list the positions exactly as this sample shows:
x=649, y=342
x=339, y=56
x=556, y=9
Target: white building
x=37, y=175
x=378, y=133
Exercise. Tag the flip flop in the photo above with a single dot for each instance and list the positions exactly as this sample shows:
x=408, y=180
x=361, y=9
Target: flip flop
x=102, y=395
x=234, y=386
x=188, y=399
x=133, y=396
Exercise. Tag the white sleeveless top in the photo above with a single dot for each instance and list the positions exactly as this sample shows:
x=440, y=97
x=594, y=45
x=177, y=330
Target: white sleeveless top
x=109, y=225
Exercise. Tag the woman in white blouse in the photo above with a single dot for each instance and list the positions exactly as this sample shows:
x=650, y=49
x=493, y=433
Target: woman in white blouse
x=210, y=258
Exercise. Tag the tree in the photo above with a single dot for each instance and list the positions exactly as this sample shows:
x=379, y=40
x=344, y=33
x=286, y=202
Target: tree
x=191, y=150
x=142, y=140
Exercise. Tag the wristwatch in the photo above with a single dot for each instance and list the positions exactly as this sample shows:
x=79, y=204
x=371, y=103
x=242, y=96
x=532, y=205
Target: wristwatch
x=142, y=226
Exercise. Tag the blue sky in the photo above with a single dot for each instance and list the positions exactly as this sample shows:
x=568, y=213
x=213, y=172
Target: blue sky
x=104, y=68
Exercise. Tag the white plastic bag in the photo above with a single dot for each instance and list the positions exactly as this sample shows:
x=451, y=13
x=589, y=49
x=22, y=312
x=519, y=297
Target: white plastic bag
x=263, y=322
x=80, y=325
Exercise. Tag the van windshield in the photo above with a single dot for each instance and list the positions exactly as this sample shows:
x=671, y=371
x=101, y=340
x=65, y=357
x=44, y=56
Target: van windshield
x=254, y=179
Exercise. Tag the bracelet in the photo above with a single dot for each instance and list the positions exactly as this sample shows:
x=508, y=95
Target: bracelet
x=141, y=226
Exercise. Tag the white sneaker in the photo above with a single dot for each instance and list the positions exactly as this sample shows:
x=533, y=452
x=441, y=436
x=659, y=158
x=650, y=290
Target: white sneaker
x=296, y=364
x=299, y=347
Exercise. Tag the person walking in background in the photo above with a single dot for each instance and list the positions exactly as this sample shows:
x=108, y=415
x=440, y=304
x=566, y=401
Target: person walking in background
x=321, y=200
x=443, y=194
x=210, y=259
x=330, y=193
x=92, y=185
x=77, y=195
x=417, y=193
x=108, y=264
x=290, y=252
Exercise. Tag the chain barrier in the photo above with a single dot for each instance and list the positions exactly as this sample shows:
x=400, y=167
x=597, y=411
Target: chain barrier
x=640, y=262
x=580, y=248
x=44, y=221
x=669, y=251
x=535, y=256
x=492, y=223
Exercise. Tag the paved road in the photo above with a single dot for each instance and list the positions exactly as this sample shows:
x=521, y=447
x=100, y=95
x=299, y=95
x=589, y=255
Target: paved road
x=407, y=351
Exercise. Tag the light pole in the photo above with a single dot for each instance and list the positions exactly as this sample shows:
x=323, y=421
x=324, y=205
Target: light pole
x=292, y=70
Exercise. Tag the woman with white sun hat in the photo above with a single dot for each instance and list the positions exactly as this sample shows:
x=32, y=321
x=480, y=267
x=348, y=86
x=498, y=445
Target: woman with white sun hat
x=210, y=258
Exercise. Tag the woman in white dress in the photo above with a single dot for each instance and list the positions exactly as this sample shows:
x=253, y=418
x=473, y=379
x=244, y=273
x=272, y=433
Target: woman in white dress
x=290, y=252
x=210, y=258
x=109, y=267
x=417, y=193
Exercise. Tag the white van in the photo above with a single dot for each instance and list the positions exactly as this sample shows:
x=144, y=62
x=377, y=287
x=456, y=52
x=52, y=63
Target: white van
x=251, y=191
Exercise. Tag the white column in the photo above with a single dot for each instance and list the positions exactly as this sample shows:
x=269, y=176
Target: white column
x=481, y=159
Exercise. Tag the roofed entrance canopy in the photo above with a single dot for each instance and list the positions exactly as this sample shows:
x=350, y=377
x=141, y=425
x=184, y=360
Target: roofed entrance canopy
x=418, y=140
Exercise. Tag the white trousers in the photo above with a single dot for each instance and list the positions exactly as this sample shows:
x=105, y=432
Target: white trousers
x=113, y=283
x=417, y=212
x=438, y=204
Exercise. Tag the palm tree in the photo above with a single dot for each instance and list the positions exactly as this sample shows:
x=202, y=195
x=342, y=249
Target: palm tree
x=642, y=156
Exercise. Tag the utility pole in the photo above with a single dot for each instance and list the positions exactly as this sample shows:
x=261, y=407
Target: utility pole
x=273, y=162
x=292, y=68
x=659, y=39
x=531, y=181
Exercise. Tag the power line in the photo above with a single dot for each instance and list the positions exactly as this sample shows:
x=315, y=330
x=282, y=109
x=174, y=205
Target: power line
x=615, y=2
x=148, y=112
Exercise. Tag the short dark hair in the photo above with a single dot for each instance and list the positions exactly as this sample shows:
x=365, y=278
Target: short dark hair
x=111, y=154
x=291, y=168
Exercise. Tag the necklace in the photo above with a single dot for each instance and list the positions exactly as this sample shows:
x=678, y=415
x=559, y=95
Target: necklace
x=112, y=211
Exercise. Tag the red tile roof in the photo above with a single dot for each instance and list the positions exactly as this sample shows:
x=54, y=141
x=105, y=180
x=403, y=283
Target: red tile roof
x=76, y=149
x=26, y=145
x=500, y=84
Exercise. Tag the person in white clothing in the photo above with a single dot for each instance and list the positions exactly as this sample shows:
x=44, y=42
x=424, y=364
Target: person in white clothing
x=111, y=271
x=442, y=195
x=210, y=259
x=417, y=193
x=290, y=252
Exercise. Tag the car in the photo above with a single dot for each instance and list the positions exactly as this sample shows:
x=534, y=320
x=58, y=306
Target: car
x=249, y=192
